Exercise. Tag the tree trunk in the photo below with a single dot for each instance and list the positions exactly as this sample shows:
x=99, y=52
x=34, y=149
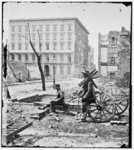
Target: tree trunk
x=42, y=74
x=40, y=68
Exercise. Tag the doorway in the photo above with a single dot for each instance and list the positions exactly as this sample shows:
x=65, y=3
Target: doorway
x=46, y=70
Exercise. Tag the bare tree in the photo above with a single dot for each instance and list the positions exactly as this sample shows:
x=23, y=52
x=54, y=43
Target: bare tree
x=4, y=68
x=38, y=55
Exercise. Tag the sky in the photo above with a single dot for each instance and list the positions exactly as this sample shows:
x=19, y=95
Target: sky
x=96, y=17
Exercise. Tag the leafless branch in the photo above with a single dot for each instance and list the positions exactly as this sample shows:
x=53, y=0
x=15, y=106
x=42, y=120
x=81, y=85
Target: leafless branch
x=33, y=48
x=39, y=42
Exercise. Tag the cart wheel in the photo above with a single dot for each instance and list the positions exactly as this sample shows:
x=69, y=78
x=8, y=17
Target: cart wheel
x=121, y=105
x=120, y=99
x=103, y=110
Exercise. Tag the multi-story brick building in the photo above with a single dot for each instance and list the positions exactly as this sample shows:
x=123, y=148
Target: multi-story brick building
x=63, y=44
x=111, y=63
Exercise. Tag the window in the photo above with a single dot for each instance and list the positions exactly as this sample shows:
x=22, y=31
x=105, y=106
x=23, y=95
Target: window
x=62, y=45
x=12, y=37
x=54, y=36
x=54, y=46
x=26, y=36
x=113, y=41
x=19, y=37
x=13, y=28
x=69, y=59
x=62, y=27
x=54, y=27
x=69, y=36
x=127, y=76
x=69, y=27
x=47, y=46
x=33, y=28
x=47, y=36
x=19, y=56
x=61, y=57
x=26, y=46
x=47, y=27
x=47, y=58
x=19, y=28
x=54, y=58
x=82, y=35
x=61, y=70
x=12, y=46
x=41, y=46
x=69, y=70
x=40, y=27
x=26, y=28
x=112, y=75
x=112, y=60
x=62, y=36
x=12, y=56
x=41, y=35
x=33, y=36
x=33, y=57
x=19, y=46
x=69, y=45
x=26, y=57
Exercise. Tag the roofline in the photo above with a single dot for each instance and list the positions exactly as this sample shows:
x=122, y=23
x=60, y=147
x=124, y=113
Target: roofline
x=49, y=19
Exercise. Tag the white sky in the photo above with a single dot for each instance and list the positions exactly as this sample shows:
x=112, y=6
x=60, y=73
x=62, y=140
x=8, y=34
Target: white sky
x=96, y=17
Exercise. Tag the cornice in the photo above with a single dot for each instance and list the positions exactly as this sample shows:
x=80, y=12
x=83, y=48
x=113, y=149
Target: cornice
x=49, y=19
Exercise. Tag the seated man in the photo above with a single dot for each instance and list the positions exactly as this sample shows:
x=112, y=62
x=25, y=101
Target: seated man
x=59, y=99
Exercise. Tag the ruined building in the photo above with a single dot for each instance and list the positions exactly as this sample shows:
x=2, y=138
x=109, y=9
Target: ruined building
x=114, y=54
x=63, y=43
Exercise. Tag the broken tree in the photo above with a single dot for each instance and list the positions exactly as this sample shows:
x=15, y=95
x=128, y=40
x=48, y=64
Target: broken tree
x=38, y=55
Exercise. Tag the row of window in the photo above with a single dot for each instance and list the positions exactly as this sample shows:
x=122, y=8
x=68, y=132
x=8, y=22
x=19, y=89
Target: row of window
x=62, y=70
x=112, y=61
x=34, y=36
x=26, y=57
x=47, y=27
x=46, y=46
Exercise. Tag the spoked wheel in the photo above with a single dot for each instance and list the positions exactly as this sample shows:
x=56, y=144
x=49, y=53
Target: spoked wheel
x=121, y=105
x=120, y=98
x=103, y=110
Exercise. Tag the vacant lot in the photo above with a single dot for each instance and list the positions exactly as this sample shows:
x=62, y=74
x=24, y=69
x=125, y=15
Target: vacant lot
x=60, y=129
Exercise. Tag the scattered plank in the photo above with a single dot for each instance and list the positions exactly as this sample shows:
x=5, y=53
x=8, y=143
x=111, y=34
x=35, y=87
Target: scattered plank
x=13, y=132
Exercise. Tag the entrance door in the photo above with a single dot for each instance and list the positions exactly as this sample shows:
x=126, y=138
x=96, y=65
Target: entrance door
x=46, y=69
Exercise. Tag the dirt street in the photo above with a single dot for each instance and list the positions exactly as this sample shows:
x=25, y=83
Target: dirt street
x=65, y=130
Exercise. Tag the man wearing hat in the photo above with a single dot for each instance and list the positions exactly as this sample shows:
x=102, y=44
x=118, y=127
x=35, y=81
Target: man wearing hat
x=59, y=99
x=87, y=93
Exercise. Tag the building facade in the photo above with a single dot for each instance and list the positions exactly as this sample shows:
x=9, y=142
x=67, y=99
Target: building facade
x=91, y=58
x=112, y=63
x=63, y=45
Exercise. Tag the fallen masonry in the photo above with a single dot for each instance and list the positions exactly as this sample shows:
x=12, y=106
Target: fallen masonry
x=40, y=114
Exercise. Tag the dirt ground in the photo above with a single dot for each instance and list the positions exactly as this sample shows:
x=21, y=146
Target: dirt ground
x=65, y=130
x=61, y=130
